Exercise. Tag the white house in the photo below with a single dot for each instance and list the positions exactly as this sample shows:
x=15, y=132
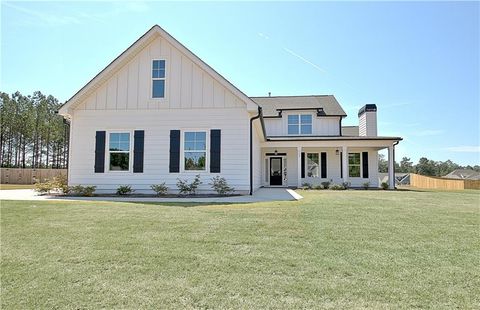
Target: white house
x=158, y=113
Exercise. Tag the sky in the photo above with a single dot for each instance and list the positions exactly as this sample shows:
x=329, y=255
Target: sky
x=419, y=62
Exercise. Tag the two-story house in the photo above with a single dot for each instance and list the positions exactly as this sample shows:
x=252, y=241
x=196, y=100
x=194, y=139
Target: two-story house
x=158, y=113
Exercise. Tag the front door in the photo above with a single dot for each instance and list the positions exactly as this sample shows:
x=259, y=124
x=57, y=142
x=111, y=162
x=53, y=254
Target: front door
x=276, y=171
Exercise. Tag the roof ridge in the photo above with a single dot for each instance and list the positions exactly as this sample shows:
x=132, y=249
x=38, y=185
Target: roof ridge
x=287, y=96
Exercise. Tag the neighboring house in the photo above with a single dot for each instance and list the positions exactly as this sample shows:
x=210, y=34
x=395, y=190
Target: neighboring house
x=158, y=113
x=463, y=174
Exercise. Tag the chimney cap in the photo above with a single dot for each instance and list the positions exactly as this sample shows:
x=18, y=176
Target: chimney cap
x=367, y=108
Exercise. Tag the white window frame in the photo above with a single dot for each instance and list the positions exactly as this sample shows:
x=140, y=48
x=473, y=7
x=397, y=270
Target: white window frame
x=299, y=124
x=207, y=149
x=319, y=165
x=130, y=150
x=158, y=79
x=360, y=164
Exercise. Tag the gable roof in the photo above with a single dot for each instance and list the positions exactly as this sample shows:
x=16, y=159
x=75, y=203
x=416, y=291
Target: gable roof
x=272, y=105
x=133, y=50
x=463, y=174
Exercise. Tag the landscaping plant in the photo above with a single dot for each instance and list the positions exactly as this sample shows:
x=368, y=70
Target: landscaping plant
x=160, y=189
x=220, y=185
x=186, y=188
x=124, y=190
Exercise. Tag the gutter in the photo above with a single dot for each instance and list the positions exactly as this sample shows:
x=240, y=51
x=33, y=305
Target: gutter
x=258, y=116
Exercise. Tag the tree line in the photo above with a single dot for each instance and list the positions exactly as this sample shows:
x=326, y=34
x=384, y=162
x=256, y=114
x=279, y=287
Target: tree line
x=424, y=166
x=32, y=134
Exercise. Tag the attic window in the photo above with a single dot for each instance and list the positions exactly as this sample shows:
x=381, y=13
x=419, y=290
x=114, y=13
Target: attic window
x=158, y=79
x=300, y=124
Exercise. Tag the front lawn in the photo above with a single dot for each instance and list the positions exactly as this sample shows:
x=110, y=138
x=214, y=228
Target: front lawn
x=345, y=249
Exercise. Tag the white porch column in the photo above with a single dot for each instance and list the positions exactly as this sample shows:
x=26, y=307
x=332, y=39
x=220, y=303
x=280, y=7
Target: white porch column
x=391, y=168
x=299, y=166
x=345, y=163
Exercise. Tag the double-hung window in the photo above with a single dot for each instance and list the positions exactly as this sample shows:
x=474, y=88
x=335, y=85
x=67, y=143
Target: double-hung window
x=313, y=168
x=354, y=165
x=158, y=79
x=300, y=124
x=119, y=151
x=195, y=150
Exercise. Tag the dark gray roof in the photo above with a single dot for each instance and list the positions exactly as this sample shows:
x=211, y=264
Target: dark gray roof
x=464, y=174
x=328, y=103
x=350, y=131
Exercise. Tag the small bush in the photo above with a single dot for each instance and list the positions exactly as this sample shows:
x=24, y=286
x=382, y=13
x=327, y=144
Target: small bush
x=307, y=185
x=186, y=188
x=325, y=184
x=124, y=190
x=384, y=185
x=318, y=187
x=221, y=186
x=82, y=190
x=346, y=185
x=160, y=189
x=366, y=185
x=337, y=187
x=44, y=187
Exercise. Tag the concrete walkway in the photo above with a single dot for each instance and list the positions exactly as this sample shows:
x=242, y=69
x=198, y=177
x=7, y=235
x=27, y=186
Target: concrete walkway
x=263, y=194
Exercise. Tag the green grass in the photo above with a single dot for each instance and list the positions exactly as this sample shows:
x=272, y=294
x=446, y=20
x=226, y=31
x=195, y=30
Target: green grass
x=16, y=186
x=354, y=249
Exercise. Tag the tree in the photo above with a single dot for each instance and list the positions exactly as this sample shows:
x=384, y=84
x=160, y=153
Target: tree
x=406, y=166
x=382, y=164
x=425, y=167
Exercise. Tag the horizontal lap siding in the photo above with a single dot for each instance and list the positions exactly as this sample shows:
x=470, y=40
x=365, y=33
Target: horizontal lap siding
x=233, y=122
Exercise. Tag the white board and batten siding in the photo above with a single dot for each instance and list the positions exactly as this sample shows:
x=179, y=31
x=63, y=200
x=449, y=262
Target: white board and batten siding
x=194, y=100
x=321, y=126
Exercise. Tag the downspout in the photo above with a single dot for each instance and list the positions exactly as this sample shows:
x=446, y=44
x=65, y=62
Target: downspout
x=251, y=147
x=393, y=145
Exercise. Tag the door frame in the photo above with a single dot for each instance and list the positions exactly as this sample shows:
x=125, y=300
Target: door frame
x=266, y=162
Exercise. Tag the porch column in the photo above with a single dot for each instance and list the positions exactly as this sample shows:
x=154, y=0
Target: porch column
x=299, y=166
x=345, y=163
x=391, y=168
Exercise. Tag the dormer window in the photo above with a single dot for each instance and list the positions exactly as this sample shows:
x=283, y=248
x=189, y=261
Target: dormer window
x=158, y=79
x=300, y=124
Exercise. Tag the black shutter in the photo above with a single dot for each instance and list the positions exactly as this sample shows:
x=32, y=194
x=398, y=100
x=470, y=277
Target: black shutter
x=341, y=165
x=174, y=151
x=138, y=146
x=365, y=164
x=323, y=164
x=303, y=165
x=215, y=150
x=99, y=152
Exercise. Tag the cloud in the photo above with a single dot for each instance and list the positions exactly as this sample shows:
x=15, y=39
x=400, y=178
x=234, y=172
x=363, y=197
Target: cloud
x=464, y=149
x=428, y=132
x=46, y=18
x=263, y=36
x=303, y=59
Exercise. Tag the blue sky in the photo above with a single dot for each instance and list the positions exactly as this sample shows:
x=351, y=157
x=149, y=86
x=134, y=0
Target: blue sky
x=417, y=61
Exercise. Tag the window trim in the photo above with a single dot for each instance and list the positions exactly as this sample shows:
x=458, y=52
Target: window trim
x=359, y=164
x=157, y=79
x=299, y=124
x=319, y=165
x=130, y=151
x=207, y=150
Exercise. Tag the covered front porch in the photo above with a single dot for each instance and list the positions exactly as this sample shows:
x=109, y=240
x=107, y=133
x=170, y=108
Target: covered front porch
x=293, y=163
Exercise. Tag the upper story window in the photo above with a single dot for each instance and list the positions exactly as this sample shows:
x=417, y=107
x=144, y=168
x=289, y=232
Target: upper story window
x=300, y=124
x=158, y=79
x=195, y=150
x=119, y=151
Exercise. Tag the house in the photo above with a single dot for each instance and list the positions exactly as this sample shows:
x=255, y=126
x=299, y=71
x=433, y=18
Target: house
x=463, y=174
x=158, y=113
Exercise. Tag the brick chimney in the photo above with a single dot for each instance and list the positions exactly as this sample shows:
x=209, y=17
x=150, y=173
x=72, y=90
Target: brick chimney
x=367, y=121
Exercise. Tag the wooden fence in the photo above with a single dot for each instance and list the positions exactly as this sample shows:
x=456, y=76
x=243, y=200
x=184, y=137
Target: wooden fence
x=28, y=176
x=422, y=181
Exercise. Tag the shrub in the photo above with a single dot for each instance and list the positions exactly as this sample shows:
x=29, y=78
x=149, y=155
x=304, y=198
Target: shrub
x=346, y=185
x=124, y=190
x=366, y=185
x=325, y=184
x=186, y=188
x=337, y=187
x=318, y=187
x=221, y=186
x=384, y=185
x=44, y=187
x=306, y=185
x=82, y=190
x=160, y=189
